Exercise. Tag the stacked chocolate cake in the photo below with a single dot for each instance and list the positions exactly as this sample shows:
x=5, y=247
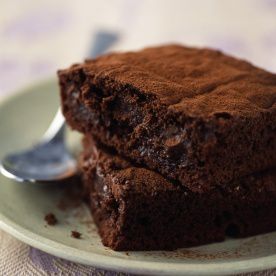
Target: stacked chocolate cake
x=179, y=145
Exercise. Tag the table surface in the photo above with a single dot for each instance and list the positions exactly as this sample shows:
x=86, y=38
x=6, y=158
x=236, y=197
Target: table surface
x=43, y=36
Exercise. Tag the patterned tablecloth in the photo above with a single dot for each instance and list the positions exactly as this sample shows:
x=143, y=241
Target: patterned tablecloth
x=38, y=37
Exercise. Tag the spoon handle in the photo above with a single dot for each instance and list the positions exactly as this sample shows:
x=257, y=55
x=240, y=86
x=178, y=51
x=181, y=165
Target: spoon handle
x=102, y=41
x=56, y=130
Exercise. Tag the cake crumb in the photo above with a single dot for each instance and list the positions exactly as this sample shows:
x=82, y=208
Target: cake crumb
x=51, y=219
x=76, y=234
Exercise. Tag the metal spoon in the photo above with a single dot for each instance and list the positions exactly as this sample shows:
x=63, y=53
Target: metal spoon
x=50, y=159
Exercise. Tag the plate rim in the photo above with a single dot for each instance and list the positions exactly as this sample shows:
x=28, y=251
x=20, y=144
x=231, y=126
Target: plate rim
x=115, y=263
x=132, y=266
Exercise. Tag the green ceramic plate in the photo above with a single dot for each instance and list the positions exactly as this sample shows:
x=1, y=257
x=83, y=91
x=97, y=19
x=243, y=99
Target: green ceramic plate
x=23, y=119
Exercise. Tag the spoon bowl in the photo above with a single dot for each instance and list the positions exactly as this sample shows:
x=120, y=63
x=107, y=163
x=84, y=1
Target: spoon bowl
x=50, y=160
x=44, y=162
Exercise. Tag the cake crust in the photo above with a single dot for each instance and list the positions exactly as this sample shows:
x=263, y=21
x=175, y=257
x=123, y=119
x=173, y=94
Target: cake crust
x=195, y=82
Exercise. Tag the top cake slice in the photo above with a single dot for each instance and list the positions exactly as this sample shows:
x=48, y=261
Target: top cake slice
x=197, y=116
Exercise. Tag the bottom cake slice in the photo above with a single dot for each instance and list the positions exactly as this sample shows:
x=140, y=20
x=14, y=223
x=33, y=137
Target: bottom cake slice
x=138, y=209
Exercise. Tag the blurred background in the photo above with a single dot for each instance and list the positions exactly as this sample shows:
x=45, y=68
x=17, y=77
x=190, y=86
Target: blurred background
x=39, y=37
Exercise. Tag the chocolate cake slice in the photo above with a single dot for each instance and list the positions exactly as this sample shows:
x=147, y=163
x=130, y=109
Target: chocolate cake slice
x=138, y=209
x=196, y=116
